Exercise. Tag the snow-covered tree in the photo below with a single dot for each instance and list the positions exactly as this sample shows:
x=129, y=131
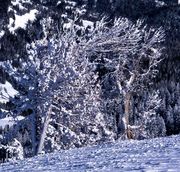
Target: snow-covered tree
x=133, y=52
x=150, y=123
x=66, y=83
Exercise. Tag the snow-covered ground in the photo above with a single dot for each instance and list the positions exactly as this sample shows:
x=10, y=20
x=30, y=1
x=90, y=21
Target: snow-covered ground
x=156, y=155
x=6, y=91
x=10, y=121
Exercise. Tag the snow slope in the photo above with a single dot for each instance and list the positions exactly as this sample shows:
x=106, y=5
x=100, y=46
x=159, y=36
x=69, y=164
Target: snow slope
x=156, y=155
x=10, y=121
x=6, y=92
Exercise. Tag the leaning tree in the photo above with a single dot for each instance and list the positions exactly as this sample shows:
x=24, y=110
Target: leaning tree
x=133, y=52
x=66, y=83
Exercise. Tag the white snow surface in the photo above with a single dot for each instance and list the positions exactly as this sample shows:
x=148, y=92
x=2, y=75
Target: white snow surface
x=2, y=33
x=10, y=121
x=155, y=155
x=22, y=21
x=87, y=23
x=6, y=91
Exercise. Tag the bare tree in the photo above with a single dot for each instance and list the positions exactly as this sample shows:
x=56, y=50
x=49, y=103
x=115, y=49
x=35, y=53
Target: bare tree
x=133, y=51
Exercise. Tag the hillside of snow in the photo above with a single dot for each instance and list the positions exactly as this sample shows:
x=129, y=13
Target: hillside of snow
x=155, y=155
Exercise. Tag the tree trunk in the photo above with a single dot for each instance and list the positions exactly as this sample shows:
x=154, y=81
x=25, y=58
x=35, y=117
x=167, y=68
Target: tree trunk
x=125, y=118
x=127, y=101
x=44, y=131
x=33, y=132
x=127, y=107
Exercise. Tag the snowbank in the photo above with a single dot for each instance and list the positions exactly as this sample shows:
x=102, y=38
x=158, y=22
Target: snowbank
x=160, y=154
x=6, y=92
